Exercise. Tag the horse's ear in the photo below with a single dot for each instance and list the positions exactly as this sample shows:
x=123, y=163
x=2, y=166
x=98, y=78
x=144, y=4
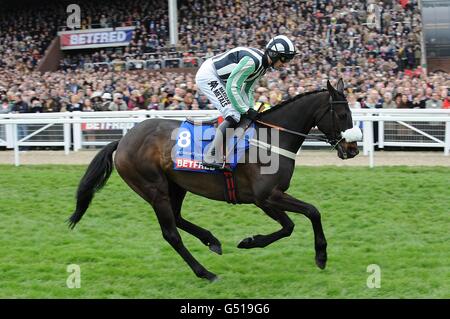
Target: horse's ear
x=330, y=87
x=340, y=86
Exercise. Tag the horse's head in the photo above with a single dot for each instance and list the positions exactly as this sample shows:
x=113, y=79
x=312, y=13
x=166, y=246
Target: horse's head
x=335, y=121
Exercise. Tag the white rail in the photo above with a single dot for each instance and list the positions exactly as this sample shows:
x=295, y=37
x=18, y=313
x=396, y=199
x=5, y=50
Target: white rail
x=403, y=127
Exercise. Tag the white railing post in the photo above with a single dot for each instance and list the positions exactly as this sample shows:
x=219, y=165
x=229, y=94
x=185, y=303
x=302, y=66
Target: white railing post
x=366, y=130
x=76, y=130
x=447, y=138
x=370, y=147
x=67, y=137
x=380, y=134
x=15, y=140
x=9, y=135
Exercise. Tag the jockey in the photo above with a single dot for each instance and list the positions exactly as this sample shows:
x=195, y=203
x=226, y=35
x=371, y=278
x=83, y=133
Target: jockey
x=229, y=79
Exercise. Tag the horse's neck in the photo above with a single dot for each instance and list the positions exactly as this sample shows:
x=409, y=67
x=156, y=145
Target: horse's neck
x=298, y=116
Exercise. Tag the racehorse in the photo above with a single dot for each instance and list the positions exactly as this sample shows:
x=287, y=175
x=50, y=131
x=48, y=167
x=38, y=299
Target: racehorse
x=143, y=160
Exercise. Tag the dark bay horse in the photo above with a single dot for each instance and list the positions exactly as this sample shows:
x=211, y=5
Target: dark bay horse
x=143, y=159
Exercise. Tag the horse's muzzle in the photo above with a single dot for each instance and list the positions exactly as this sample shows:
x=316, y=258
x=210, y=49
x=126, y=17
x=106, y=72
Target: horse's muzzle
x=347, y=150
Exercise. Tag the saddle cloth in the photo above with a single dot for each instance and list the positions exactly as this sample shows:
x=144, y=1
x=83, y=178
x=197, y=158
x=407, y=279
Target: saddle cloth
x=194, y=139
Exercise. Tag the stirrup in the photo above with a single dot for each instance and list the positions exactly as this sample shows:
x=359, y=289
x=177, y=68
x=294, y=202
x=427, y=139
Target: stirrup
x=219, y=166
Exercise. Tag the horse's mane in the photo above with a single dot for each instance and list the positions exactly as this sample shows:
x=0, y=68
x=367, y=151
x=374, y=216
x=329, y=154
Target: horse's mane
x=292, y=99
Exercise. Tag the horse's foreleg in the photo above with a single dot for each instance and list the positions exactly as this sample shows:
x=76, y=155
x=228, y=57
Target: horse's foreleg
x=205, y=236
x=264, y=240
x=286, y=202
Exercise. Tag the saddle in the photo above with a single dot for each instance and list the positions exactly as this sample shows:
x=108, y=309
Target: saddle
x=214, y=121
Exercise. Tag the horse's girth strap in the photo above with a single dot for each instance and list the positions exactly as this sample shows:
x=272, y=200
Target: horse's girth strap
x=230, y=187
x=273, y=148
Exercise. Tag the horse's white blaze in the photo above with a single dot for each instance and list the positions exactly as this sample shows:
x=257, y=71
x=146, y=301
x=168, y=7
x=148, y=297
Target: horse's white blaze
x=352, y=134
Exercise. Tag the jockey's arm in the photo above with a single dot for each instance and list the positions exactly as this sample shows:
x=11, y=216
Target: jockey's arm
x=250, y=91
x=236, y=80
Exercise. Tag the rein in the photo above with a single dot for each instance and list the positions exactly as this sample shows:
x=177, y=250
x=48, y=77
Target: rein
x=332, y=141
x=279, y=128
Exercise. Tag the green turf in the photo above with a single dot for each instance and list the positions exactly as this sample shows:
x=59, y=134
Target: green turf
x=397, y=218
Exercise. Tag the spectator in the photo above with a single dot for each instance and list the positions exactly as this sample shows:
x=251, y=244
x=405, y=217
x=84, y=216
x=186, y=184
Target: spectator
x=444, y=93
x=88, y=107
x=352, y=102
x=388, y=103
x=97, y=103
x=398, y=101
x=263, y=102
x=106, y=98
x=5, y=106
x=75, y=104
x=154, y=103
x=203, y=103
x=446, y=103
x=117, y=104
x=36, y=105
x=417, y=102
x=137, y=101
x=373, y=101
x=290, y=93
x=273, y=99
x=188, y=102
x=20, y=106
x=435, y=102
x=177, y=103
x=404, y=103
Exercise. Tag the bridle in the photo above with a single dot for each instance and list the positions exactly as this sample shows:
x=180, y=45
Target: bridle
x=333, y=140
x=337, y=138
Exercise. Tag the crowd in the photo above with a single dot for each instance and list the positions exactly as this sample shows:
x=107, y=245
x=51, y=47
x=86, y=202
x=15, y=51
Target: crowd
x=378, y=58
x=329, y=33
x=103, y=90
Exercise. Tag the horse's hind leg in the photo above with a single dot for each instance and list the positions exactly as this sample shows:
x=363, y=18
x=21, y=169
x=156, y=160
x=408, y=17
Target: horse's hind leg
x=205, y=236
x=170, y=233
x=264, y=240
x=156, y=193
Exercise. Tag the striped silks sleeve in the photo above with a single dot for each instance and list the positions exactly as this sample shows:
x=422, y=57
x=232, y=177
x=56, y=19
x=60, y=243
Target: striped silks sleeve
x=250, y=91
x=240, y=73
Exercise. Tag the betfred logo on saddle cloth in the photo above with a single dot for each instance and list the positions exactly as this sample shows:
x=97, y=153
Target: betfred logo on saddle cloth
x=193, y=141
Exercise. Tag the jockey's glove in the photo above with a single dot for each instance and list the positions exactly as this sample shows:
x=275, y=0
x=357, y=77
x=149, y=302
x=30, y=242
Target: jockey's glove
x=252, y=114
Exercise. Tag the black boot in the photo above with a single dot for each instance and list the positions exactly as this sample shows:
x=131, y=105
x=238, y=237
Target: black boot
x=213, y=158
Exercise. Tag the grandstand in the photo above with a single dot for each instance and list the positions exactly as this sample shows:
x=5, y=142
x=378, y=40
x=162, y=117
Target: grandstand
x=375, y=47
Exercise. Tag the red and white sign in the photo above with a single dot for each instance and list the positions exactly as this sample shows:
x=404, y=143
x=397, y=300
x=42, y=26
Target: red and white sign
x=191, y=164
x=106, y=126
x=96, y=38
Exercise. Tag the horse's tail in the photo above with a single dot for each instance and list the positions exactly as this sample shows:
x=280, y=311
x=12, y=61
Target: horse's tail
x=93, y=180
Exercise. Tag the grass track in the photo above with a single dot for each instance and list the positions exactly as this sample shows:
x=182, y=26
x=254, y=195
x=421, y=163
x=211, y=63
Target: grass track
x=398, y=218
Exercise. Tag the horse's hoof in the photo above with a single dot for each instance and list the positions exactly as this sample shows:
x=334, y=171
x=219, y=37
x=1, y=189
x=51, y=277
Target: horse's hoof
x=246, y=243
x=210, y=277
x=321, y=260
x=216, y=249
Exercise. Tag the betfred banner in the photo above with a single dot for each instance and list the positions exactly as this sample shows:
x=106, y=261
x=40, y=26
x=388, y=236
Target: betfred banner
x=106, y=126
x=96, y=38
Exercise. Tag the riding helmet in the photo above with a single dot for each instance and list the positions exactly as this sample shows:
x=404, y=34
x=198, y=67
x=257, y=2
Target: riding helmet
x=280, y=48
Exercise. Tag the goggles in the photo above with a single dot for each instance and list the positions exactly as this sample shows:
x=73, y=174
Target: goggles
x=286, y=57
